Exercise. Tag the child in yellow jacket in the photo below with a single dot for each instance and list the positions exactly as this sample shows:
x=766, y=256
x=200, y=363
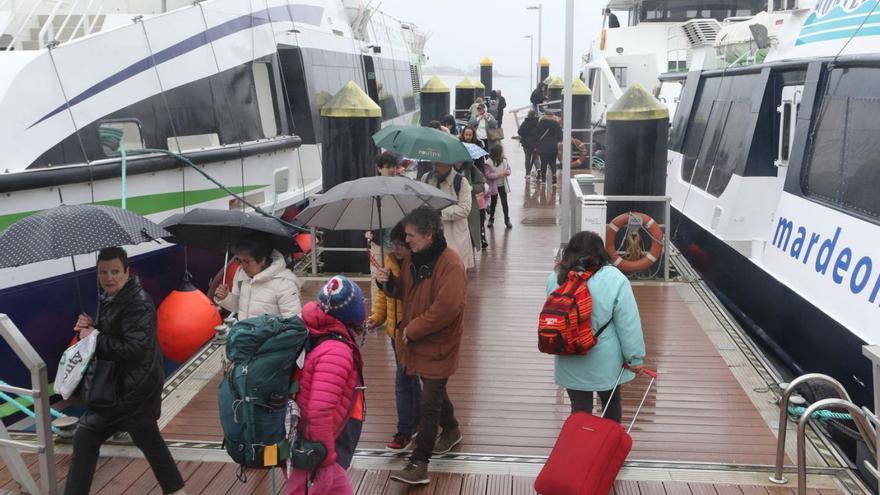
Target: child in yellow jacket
x=388, y=310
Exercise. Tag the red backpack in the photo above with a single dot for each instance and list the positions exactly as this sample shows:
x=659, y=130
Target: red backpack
x=564, y=326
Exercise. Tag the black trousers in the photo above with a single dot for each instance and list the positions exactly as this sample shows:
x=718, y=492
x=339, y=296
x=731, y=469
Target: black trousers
x=437, y=411
x=547, y=159
x=583, y=401
x=503, y=194
x=531, y=156
x=87, y=444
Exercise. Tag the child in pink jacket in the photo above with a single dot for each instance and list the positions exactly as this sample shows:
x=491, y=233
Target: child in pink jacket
x=328, y=394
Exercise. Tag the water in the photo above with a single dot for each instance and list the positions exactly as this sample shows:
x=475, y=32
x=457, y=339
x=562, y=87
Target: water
x=515, y=89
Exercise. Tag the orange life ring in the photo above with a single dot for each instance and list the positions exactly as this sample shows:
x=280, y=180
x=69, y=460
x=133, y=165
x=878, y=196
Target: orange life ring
x=582, y=152
x=649, y=258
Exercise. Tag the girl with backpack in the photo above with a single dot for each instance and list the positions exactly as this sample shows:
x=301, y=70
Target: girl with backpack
x=331, y=397
x=614, y=306
x=497, y=170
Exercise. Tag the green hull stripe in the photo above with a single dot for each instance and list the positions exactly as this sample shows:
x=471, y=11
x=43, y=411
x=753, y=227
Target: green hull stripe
x=151, y=203
x=8, y=409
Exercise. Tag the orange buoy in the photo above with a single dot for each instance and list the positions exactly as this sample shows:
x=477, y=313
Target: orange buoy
x=304, y=241
x=647, y=259
x=186, y=320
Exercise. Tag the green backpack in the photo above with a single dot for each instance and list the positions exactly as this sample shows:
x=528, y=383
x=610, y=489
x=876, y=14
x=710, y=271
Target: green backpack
x=261, y=354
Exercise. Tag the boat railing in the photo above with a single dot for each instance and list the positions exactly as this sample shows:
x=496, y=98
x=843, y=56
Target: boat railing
x=47, y=32
x=10, y=450
x=864, y=419
x=25, y=24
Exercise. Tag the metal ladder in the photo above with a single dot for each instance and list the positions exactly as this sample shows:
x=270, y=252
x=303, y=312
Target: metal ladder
x=864, y=419
x=10, y=450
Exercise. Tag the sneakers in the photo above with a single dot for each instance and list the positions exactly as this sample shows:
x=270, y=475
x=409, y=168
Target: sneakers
x=414, y=473
x=507, y=223
x=490, y=223
x=448, y=439
x=399, y=442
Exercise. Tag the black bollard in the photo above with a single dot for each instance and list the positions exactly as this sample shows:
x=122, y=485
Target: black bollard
x=554, y=93
x=581, y=98
x=349, y=120
x=637, y=130
x=479, y=90
x=544, y=72
x=434, y=100
x=464, y=97
x=486, y=74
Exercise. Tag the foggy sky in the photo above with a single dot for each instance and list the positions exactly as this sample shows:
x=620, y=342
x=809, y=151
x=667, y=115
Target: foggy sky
x=464, y=31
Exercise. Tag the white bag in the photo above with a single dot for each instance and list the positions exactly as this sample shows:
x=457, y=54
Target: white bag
x=74, y=363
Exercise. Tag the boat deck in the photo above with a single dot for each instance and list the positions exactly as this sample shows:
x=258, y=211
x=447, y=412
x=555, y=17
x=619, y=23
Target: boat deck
x=708, y=425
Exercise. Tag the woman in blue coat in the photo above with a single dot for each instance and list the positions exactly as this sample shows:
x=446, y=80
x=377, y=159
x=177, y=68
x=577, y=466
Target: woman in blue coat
x=622, y=341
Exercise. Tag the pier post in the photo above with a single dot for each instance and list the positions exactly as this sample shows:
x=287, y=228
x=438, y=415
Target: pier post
x=434, y=101
x=486, y=74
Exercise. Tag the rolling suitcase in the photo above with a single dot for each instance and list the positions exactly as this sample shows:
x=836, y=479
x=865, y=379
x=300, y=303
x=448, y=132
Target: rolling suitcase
x=588, y=454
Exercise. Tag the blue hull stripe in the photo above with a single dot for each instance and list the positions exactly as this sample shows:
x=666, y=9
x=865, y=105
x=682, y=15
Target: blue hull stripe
x=306, y=14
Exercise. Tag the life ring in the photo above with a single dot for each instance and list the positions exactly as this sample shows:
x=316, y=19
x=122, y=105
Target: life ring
x=647, y=259
x=582, y=152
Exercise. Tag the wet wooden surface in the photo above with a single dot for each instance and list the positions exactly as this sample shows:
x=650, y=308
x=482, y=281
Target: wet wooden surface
x=503, y=392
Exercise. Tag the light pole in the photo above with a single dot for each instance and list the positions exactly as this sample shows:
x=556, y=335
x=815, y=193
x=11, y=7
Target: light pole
x=531, y=58
x=540, y=9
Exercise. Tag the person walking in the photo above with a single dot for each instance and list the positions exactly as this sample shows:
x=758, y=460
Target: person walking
x=497, y=170
x=455, y=217
x=549, y=135
x=387, y=165
x=529, y=140
x=537, y=97
x=262, y=285
x=622, y=342
x=331, y=394
x=472, y=111
x=433, y=287
x=482, y=122
x=388, y=309
x=477, y=217
x=127, y=375
x=502, y=104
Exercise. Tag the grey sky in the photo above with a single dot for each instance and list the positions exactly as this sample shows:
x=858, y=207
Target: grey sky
x=464, y=31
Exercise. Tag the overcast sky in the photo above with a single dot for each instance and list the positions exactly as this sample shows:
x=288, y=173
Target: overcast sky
x=464, y=31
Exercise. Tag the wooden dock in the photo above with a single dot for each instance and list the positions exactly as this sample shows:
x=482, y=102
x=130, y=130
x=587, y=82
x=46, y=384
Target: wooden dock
x=705, y=428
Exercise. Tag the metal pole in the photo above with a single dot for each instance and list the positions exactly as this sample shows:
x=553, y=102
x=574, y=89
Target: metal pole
x=540, y=23
x=566, y=121
x=531, y=61
x=666, y=239
x=313, y=232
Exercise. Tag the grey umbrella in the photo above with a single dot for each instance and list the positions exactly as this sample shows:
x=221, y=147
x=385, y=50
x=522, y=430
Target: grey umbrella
x=371, y=203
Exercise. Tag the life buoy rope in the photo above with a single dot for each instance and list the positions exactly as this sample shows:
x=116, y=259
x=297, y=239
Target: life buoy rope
x=647, y=259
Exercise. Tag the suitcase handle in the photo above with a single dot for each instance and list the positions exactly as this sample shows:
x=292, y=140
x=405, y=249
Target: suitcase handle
x=651, y=373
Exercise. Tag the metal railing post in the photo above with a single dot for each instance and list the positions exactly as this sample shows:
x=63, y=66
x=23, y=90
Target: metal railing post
x=666, y=227
x=314, y=234
x=39, y=392
x=865, y=429
x=777, y=477
x=872, y=352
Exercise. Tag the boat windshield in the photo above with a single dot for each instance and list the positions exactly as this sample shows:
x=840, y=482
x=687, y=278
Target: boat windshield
x=684, y=10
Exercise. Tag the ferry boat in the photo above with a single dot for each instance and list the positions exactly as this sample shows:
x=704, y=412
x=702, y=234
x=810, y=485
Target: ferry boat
x=773, y=175
x=236, y=86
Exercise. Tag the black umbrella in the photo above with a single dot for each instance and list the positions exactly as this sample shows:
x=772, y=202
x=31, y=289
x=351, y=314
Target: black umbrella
x=70, y=230
x=218, y=229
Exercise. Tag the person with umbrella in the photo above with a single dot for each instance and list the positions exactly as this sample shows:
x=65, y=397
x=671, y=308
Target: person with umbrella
x=123, y=387
x=262, y=284
x=456, y=226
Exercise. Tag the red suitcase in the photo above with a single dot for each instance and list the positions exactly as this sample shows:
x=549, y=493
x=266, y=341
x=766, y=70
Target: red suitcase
x=588, y=454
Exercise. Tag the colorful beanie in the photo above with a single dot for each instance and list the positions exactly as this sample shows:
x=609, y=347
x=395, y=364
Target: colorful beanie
x=342, y=299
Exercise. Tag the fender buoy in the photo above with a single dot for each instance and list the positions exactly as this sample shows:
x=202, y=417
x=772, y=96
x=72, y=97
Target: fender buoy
x=185, y=320
x=582, y=152
x=649, y=258
x=304, y=241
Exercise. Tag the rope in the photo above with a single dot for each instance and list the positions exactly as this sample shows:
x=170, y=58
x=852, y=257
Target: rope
x=821, y=415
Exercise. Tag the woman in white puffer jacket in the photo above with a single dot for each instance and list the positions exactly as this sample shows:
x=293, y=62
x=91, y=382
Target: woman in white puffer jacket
x=262, y=285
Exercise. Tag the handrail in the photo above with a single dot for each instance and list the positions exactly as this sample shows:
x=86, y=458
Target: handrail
x=83, y=19
x=49, y=26
x=865, y=429
x=24, y=24
x=97, y=16
x=67, y=19
x=777, y=477
x=39, y=392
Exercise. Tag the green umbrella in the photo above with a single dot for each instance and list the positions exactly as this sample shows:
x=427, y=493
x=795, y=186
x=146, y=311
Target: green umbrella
x=422, y=143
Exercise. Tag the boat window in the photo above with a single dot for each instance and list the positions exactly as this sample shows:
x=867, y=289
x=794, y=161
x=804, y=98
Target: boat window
x=619, y=75
x=697, y=126
x=842, y=166
x=730, y=148
x=265, y=103
x=709, y=149
x=294, y=77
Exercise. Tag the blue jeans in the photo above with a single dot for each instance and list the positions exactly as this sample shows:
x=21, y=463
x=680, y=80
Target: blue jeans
x=408, y=393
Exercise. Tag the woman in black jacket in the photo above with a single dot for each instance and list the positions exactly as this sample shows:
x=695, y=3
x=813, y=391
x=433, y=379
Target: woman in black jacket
x=122, y=389
x=549, y=134
x=529, y=140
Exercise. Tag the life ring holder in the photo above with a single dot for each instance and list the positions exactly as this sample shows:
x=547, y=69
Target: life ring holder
x=650, y=258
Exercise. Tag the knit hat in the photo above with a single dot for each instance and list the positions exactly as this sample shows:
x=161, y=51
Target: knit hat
x=342, y=299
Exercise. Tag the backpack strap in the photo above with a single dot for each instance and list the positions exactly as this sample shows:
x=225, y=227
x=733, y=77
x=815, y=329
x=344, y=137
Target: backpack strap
x=456, y=181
